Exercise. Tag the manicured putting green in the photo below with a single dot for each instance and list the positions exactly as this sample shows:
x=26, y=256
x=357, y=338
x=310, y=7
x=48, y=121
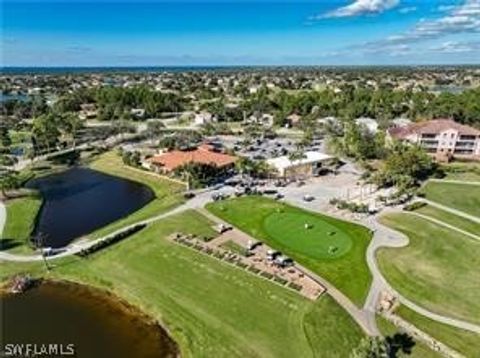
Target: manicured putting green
x=308, y=234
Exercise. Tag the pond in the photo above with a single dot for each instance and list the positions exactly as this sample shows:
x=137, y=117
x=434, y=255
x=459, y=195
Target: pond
x=78, y=318
x=80, y=200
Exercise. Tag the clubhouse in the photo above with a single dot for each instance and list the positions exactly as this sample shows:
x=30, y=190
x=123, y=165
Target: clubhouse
x=204, y=154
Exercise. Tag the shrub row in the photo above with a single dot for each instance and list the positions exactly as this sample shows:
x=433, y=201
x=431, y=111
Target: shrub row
x=111, y=240
x=414, y=206
x=345, y=205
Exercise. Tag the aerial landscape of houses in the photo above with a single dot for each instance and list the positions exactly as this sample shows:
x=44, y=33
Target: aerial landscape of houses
x=240, y=179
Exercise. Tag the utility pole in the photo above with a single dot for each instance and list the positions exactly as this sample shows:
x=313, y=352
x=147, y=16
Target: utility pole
x=39, y=242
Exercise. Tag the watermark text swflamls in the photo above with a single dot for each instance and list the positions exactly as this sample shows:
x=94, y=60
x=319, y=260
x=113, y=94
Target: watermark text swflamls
x=30, y=350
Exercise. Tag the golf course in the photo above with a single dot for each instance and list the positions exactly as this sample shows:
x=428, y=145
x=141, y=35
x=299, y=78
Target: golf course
x=21, y=213
x=450, y=219
x=209, y=307
x=463, y=197
x=464, y=342
x=438, y=270
x=332, y=248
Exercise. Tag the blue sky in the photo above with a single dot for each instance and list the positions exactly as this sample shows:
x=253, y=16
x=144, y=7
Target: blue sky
x=242, y=32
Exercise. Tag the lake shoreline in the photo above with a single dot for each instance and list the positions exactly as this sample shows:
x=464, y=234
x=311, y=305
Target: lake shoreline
x=102, y=295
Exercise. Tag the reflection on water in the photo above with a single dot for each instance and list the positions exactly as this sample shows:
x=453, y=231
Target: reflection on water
x=66, y=314
x=81, y=200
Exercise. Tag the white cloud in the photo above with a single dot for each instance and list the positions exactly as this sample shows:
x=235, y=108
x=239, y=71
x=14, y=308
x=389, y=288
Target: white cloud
x=360, y=7
x=407, y=10
x=445, y=7
x=452, y=47
x=461, y=19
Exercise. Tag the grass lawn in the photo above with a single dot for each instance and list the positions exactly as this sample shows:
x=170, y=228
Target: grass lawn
x=334, y=249
x=439, y=269
x=211, y=308
x=465, y=342
x=463, y=176
x=464, y=197
x=420, y=350
x=168, y=193
x=451, y=219
x=21, y=214
x=462, y=171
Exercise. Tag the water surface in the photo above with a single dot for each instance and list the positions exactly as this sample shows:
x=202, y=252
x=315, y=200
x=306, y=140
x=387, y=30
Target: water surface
x=80, y=200
x=95, y=324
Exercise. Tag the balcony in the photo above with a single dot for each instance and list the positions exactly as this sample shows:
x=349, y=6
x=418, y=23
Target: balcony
x=468, y=138
x=465, y=145
x=429, y=143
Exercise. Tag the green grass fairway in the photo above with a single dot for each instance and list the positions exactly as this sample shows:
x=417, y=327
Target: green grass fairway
x=420, y=350
x=451, y=219
x=284, y=231
x=211, y=308
x=439, y=269
x=462, y=171
x=21, y=215
x=168, y=193
x=321, y=240
x=464, y=197
x=464, y=342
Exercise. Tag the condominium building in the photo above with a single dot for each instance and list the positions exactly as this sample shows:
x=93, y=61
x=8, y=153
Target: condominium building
x=443, y=138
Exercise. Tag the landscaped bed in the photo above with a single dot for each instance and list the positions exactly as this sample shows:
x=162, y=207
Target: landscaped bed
x=330, y=247
x=419, y=350
x=439, y=269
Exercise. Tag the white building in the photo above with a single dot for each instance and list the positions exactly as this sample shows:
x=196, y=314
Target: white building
x=307, y=166
x=441, y=137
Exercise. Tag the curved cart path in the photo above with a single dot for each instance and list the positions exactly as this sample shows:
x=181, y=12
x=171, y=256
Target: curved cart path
x=386, y=237
x=365, y=316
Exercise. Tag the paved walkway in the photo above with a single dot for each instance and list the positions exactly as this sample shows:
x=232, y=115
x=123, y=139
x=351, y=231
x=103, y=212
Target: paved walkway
x=198, y=201
x=453, y=181
x=365, y=317
x=357, y=314
x=384, y=236
x=441, y=223
x=450, y=210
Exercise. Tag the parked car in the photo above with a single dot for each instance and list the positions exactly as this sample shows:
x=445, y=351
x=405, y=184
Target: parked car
x=189, y=195
x=221, y=228
x=308, y=197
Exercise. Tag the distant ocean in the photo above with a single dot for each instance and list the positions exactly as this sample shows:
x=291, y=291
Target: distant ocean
x=80, y=70
x=158, y=69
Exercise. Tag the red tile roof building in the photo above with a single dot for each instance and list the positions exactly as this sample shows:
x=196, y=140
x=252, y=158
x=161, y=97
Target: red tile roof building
x=204, y=154
x=441, y=137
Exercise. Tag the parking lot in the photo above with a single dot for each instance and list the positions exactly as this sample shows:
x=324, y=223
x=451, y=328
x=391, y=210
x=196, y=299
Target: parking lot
x=261, y=149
